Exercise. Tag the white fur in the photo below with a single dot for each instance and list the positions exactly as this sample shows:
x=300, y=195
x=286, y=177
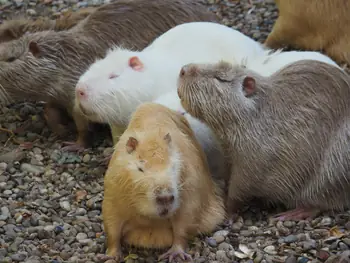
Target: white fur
x=271, y=61
x=114, y=100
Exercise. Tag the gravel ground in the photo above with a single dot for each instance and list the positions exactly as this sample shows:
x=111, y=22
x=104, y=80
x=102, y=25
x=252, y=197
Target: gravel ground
x=50, y=200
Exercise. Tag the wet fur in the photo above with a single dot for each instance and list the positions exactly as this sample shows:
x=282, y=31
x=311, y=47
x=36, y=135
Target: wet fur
x=51, y=74
x=321, y=25
x=200, y=203
x=18, y=26
x=289, y=142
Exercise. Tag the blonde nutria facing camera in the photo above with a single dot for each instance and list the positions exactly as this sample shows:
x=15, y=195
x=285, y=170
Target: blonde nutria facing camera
x=286, y=135
x=45, y=66
x=18, y=26
x=320, y=25
x=158, y=191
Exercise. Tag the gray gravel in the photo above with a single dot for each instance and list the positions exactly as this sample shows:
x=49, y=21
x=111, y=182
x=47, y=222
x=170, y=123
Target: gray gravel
x=50, y=201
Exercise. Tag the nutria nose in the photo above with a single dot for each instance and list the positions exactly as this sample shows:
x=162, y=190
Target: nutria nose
x=182, y=72
x=188, y=70
x=164, y=199
x=81, y=90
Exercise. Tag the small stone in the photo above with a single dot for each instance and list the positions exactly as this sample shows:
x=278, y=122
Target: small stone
x=343, y=246
x=86, y=158
x=18, y=257
x=270, y=250
x=291, y=259
x=65, y=205
x=212, y=242
x=347, y=225
x=5, y=213
x=30, y=168
x=291, y=239
x=326, y=221
x=221, y=256
x=322, y=255
x=81, y=236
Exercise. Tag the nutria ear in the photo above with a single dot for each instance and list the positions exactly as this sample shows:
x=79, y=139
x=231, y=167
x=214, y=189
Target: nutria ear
x=249, y=87
x=34, y=48
x=135, y=63
x=167, y=138
x=131, y=144
x=8, y=34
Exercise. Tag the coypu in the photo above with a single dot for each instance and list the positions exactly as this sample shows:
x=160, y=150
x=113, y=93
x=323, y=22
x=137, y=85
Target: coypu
x=320, y=25
x=18, y=26
x=159, y=180
x=45, y=66
x=285, y=135
x=111, y=89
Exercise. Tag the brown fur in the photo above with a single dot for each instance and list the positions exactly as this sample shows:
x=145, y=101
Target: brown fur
x=288, y=141
x=128, y=208
x=319, y=25
x=46, y=65
x=17, y=27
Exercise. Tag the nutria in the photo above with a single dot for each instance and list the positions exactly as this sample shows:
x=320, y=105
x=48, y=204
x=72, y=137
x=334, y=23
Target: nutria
x=286, y=135
x=46, y=65
x=158, y=191
x=18, y=26
x=320, y=25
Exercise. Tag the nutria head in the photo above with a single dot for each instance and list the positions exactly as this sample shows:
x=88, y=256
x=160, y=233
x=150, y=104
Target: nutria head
x=42, y=66
x=151, y=164
x=207, y=91
x=112, y=87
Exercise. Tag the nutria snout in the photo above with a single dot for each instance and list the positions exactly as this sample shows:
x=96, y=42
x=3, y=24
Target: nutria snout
x=165, y=202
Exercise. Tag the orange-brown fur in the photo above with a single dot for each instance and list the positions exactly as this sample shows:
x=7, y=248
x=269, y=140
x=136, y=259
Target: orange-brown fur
x=320, y=25
x=125, y=203
x=17, y=27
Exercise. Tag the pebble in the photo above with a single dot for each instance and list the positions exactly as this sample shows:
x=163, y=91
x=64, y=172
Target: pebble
x=50, y=200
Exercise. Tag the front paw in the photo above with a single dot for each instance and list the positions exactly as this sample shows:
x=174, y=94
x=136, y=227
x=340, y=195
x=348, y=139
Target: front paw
x=113, y=255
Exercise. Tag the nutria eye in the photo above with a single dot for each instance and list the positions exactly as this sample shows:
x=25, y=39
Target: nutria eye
x=11, y=59
x=221, y=79
x=140, y=169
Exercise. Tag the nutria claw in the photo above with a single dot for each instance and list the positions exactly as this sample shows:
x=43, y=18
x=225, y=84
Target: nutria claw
x=297, y=214
x=72, y=147
x=104, y=258
x=175, y=252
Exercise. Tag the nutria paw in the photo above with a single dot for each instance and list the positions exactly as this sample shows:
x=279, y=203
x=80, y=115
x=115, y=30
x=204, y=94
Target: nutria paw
x=297, y=214
x=174, y=252
x=104, y=258
x=72, y=147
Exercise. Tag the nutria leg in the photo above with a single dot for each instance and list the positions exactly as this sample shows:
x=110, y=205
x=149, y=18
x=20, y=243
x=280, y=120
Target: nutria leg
x=177, y=250
x=82, y=125
x=298, y=214
x=113, y=229
x=232, y=207
x=56, y=119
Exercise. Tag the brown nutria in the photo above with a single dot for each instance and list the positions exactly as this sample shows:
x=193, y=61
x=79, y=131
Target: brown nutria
x=158, y=191
x=319, y=25
x=46, y=65
x=18, y=26
x=286, y=135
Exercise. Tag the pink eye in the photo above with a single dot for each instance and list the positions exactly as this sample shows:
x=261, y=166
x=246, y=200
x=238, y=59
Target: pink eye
x=112, y=76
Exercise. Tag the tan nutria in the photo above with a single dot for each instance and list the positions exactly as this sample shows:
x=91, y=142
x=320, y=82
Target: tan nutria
x=46, y=65
x=319, y=25
x=286, y=135
x=157, y=189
